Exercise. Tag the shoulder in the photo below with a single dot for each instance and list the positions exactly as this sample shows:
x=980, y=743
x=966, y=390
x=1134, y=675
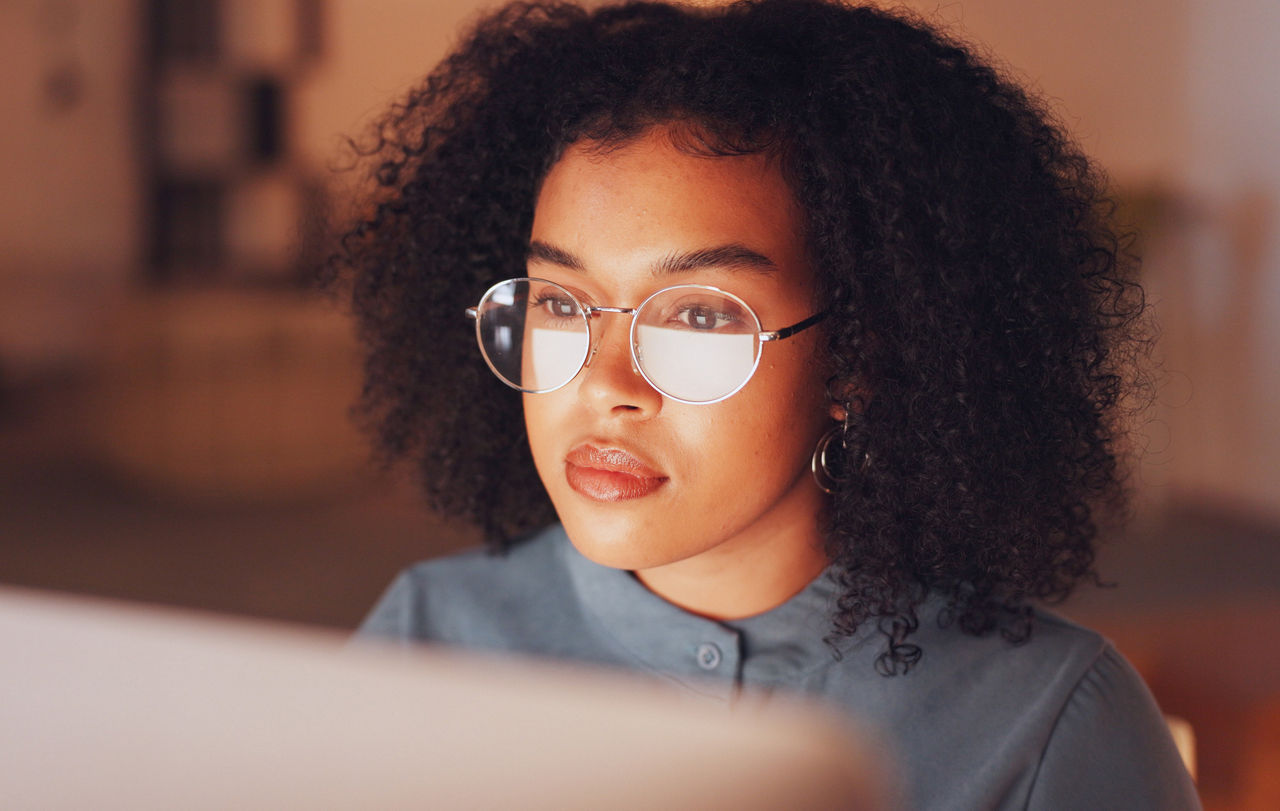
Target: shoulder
x=1061, y=721
x=1110, y=746
x=475, y=598
x=1056, y=656
x=993, y=676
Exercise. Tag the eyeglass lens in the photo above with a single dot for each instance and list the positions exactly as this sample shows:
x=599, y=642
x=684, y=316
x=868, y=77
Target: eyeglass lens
x=693, y=343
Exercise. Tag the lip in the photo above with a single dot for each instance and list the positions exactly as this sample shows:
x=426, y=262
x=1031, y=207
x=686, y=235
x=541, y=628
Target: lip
x=610, y=474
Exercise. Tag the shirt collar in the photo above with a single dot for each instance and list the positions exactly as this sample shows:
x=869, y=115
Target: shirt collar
x=767, y=649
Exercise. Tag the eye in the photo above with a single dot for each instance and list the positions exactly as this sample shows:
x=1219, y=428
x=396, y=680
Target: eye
x=555, y=305
x=704, y=317
x=704, y=312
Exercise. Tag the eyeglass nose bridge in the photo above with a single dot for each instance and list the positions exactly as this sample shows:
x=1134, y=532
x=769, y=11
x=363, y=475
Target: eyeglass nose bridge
x=591, y=312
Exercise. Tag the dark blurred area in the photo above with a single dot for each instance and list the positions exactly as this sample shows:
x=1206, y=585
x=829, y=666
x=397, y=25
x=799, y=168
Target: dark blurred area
x=174, y=404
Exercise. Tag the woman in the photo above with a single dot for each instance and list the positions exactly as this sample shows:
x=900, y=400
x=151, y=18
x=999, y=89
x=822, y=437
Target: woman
x=820, y=332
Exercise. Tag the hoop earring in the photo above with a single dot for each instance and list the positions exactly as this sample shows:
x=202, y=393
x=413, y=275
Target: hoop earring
x=829, y=479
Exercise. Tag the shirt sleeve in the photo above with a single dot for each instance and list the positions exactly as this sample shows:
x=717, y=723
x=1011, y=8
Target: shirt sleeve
x=1111, y=748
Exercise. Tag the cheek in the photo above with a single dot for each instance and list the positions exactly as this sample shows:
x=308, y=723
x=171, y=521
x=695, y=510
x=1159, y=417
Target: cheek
x=540, y=428
x=769, y=430
x=796, y=396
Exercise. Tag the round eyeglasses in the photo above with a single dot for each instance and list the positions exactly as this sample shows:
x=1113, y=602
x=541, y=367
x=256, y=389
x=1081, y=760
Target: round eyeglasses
x=693, y=343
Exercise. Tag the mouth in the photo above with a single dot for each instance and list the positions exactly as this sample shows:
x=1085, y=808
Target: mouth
x=609, y=474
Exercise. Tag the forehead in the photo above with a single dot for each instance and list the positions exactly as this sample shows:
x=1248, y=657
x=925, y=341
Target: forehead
x=632, y=204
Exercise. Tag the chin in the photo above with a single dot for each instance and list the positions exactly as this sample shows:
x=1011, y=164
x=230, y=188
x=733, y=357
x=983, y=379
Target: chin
x=617, y=543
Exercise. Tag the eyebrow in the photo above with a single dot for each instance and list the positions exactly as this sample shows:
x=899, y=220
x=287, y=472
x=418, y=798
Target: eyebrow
x=542, y=252
x=733, y=256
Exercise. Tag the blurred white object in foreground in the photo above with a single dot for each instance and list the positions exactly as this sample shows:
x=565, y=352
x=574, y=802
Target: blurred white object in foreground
x=105, y=706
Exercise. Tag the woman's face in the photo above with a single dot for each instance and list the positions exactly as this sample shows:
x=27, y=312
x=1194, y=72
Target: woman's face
x=641, y=481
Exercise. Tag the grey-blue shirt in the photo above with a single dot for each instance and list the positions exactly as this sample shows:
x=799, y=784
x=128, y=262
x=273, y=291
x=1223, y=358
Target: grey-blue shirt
x=1062, y=722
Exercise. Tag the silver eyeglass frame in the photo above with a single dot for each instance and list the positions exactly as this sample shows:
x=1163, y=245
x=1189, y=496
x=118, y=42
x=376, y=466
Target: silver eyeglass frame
x=589, y=311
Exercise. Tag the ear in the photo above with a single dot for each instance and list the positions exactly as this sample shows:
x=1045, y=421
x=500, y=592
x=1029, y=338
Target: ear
x=845, y=394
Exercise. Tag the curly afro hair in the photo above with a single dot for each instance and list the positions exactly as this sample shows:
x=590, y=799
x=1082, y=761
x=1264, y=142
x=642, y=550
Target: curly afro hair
x=978, y=295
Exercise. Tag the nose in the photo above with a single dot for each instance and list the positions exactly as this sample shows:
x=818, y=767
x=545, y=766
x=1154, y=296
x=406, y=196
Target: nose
x=611, y=383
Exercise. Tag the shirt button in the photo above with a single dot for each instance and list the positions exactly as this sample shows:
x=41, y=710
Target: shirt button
x=708, y=656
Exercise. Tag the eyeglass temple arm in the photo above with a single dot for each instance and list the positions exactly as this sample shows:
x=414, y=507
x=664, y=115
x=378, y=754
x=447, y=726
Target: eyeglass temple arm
x=472, y=313
x=787, y=332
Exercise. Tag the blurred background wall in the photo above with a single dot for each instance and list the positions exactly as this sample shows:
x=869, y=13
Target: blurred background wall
x=173, y=406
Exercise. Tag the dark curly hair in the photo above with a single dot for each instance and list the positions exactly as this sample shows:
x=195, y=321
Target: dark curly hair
x=978, y=294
